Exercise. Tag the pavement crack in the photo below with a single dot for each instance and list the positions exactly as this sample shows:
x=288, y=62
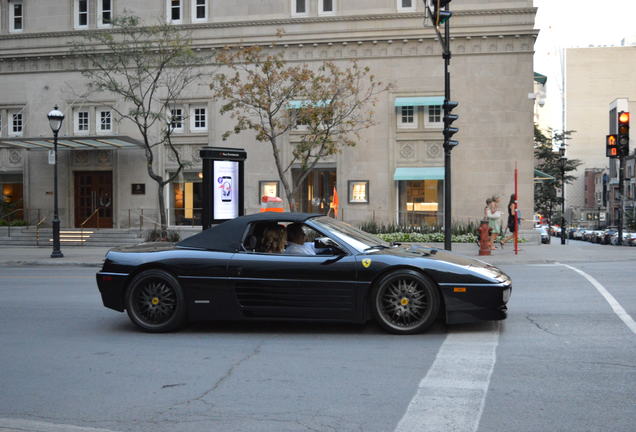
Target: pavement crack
x=539, y=326
x=218, y=382
x=229, y=373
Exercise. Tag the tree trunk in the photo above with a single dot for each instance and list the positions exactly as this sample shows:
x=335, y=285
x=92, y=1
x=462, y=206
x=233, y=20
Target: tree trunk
x=162, y=211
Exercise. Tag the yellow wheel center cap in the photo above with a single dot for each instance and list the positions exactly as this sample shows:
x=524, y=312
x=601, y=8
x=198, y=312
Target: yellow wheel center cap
x=155, y=300
x=404, y=301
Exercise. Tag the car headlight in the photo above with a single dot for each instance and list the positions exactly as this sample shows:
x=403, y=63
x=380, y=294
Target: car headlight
x=506, y=294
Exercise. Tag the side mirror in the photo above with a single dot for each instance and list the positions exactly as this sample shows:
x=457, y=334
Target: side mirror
x=327, y=243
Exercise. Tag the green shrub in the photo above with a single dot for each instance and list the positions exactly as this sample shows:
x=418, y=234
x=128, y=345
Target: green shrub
x=457, y=228
x=436, y=237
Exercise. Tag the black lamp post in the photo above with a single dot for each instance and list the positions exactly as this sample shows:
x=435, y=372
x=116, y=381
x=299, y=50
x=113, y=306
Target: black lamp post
x=55, y=121
x=562, y=161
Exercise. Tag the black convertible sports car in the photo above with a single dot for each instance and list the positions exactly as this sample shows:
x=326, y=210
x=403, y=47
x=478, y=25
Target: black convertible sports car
x=223, y=273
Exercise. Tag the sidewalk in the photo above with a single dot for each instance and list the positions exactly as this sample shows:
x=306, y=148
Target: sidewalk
x=572, y=251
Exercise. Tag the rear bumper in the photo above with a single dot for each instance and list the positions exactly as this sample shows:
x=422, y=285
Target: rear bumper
x=112, y=287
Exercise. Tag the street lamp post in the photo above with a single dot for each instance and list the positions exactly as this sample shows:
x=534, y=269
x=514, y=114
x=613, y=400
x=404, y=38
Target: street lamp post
x=562, y=161
x=55, y=121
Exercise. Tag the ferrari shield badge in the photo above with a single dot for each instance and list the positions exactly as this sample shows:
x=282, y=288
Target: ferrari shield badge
x=366, y=262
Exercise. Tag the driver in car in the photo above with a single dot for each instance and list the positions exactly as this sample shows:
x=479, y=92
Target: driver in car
x=296, y=241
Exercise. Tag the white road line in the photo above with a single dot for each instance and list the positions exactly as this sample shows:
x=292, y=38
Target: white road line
x=614, y=304
x=20, y=425
x=452, y=395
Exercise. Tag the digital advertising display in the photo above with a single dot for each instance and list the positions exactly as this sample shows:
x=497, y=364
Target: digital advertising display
x=225, y=187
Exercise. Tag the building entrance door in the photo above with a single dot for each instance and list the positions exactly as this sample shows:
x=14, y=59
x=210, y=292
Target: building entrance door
x=316, y=192
x=94, y=199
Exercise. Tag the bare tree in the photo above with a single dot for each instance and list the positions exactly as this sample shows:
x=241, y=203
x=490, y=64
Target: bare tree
x=148, y=67
x=265, y=94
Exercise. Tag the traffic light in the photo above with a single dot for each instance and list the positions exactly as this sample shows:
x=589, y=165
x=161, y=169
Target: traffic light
x=623, y=133
x=440, y=16
x=449, y=118
x=611, y=147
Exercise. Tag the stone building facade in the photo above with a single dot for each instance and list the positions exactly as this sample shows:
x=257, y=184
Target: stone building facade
x=591, y=87
x=394, y=173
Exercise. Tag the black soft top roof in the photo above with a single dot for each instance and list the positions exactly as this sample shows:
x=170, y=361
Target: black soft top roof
x=227, y=236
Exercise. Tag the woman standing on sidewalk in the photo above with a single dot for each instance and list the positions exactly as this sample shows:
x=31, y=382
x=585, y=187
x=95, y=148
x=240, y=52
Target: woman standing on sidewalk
x=494, y=220
x=512, y=210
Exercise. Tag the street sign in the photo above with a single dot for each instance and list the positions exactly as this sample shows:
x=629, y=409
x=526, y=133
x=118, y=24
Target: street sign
x=51, y=157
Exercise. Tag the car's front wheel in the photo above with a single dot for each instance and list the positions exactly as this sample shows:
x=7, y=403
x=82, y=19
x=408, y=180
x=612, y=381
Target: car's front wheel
x=155, y=301
x=405, y=302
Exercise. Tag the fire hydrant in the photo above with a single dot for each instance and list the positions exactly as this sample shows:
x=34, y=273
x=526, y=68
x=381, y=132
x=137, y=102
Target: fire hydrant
x=484, y=238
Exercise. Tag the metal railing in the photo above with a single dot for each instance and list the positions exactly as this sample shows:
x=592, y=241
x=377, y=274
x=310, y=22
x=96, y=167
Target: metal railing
x=95, y=212
x=37, y=231
x=190, y=216
x=8, y=219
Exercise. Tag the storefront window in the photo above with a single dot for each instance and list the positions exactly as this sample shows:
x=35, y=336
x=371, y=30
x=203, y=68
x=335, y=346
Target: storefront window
x=185, y=200
x=358, y=191
x=11, y=202
x=268, y=188
x=420, y=202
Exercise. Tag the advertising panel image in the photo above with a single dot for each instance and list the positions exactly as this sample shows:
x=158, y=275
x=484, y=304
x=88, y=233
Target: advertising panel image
x=225, y=189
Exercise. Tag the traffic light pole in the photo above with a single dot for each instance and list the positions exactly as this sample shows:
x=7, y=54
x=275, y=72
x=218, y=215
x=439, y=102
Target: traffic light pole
x=447, y=148
x=621, y=188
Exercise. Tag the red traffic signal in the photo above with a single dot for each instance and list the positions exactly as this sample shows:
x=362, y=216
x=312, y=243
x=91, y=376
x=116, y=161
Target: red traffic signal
x=623, y=133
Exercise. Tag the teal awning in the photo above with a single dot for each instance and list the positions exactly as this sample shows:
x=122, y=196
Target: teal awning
x=297, y=104
x=419, y=101
x=541, y=79
x=540, y=176
x=419, y=173
x=104, y=142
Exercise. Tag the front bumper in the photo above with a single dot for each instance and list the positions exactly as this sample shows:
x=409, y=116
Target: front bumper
x=476, y=302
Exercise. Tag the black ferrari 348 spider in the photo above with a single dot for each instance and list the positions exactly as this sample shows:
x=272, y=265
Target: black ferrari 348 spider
x=343, y=274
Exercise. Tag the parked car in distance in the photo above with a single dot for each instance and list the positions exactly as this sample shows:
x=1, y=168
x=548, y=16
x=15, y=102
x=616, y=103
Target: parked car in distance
x=627, y=236
x=578, y=234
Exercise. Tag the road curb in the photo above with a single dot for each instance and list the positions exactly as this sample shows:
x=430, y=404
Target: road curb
x=51, y=263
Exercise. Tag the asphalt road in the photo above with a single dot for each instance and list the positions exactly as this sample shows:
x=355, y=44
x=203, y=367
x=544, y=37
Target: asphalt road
x=564, y=360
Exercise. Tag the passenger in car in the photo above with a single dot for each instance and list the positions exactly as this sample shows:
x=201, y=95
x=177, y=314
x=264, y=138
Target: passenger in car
x=296, y=241
x=274, y=239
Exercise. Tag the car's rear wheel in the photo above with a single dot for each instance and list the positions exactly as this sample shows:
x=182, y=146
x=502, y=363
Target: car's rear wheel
x=155, y=301
x=405, y=302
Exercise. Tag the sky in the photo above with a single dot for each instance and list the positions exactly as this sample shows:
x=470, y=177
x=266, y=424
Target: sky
x=577, y=23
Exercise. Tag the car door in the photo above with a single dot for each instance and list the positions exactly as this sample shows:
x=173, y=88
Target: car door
x=270, y=285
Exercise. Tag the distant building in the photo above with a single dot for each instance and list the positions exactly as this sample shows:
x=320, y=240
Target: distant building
x=394, y=174
x=591, y=85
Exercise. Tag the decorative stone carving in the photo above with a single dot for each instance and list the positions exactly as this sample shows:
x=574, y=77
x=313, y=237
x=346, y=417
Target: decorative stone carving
x=407, y=151
x=80, y=158
x=15, y=157
x=104, y=157
x=433, y=150
x=171, y=156
x=196, y=157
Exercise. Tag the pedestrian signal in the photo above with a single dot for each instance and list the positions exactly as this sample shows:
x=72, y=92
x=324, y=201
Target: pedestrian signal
x=611, y=147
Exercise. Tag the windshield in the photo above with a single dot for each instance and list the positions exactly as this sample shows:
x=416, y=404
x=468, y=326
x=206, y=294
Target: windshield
x=351, y=235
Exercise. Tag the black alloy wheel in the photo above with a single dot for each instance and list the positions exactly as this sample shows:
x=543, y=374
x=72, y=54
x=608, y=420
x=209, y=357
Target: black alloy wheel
x=405, y=302
x=155, y=301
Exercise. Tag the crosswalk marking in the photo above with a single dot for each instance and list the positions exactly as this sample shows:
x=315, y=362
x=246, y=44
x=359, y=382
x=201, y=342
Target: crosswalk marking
x=452, y=395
